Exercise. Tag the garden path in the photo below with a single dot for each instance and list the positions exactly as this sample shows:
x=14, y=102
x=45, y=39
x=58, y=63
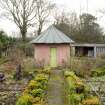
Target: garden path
x=56, y=88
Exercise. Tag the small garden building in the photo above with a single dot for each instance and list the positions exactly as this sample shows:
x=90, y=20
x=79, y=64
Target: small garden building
x=52, y=48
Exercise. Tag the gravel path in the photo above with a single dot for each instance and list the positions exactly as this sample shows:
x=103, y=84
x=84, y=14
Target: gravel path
x=56, y=88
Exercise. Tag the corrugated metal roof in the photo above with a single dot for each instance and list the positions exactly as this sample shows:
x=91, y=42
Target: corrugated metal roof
x=52, y=35
x=87, y=45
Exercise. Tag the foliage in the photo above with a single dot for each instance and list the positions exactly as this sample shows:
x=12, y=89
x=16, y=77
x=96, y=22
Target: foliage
x=67, y=23
x=87, y=67
x=46, y=70
x=73, y=77
x=36, y=88
x=99, y=84
x=91, y=101
x=74, y=82
x=26, y=99
x=5, y=42
x=100, y=71
x=41, y=78
x=35, y=85
x=90, y=30
x=36, y=100
x=32, y=84
x=83, y=66
x=84, y=29
x=37, y=92
x=76, y=98
x=77, y=90
x=68, y=73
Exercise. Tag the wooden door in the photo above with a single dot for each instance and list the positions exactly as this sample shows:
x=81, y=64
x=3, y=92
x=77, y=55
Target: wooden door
x=53, y=52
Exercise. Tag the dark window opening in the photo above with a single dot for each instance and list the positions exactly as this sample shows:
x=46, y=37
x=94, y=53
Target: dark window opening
x=84, y=51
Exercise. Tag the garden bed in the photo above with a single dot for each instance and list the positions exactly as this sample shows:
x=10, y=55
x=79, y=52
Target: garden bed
x=35, y=91
x=11, y=88
x=78, y=92
x=97, y=85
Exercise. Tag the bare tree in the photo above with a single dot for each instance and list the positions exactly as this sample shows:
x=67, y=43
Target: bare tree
x=67, y=22
x=27, y=13
x=43, y=8
x=22, y=12
x=81, y=29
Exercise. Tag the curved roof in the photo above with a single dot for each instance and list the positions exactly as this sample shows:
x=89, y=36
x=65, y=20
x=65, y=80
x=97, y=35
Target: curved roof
x=52, y=35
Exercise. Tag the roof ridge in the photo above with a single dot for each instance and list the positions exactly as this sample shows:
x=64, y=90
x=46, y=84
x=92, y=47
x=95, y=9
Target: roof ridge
x=52, y=35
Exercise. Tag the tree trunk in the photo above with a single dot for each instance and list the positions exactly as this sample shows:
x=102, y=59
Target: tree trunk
x=23, y=33
x=40, y=29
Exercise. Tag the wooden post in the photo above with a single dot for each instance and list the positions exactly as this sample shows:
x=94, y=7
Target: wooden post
x=95, y=52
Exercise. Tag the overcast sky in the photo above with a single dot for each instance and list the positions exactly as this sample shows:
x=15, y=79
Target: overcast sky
x=69, y=5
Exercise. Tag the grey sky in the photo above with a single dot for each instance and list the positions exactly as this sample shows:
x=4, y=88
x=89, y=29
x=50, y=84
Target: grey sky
x=68, y=5
x=93, y=5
